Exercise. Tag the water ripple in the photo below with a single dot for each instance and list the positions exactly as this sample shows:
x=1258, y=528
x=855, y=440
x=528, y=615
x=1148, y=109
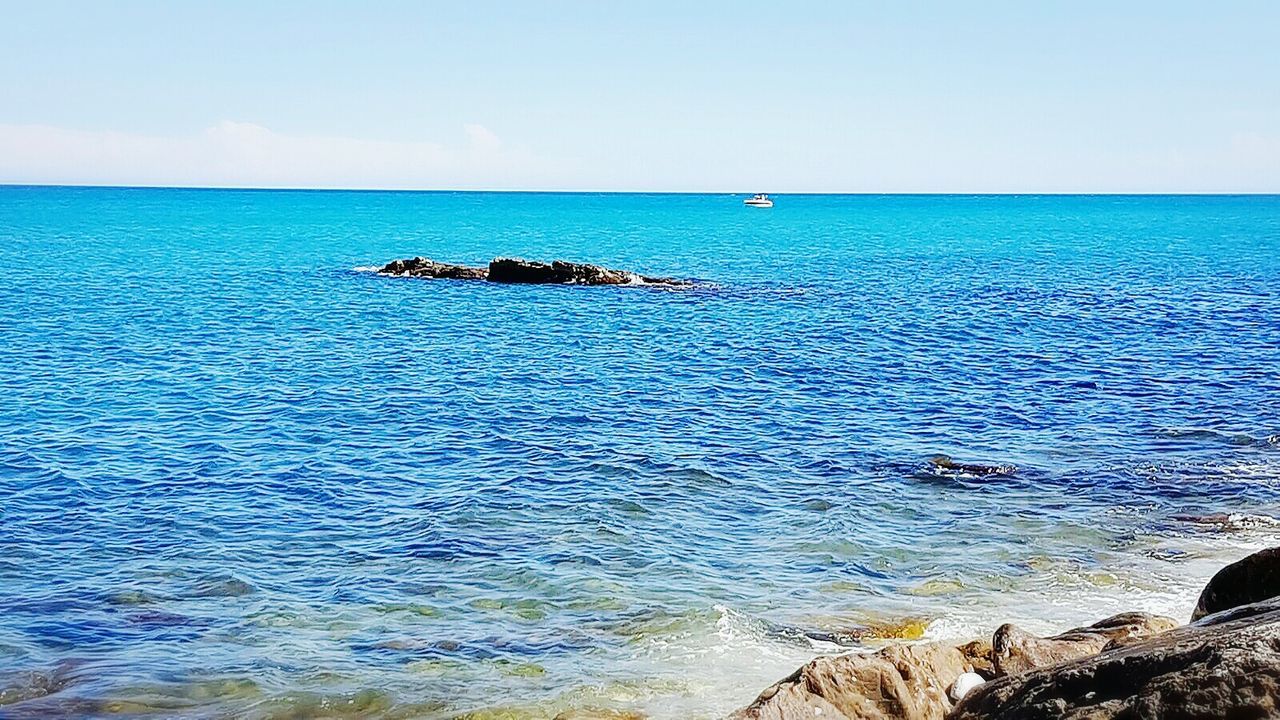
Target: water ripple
x=241, y=479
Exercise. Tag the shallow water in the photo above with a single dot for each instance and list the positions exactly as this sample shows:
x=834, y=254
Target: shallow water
x=243, y=478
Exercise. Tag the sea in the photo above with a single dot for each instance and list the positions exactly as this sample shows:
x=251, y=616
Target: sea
x=242, y=475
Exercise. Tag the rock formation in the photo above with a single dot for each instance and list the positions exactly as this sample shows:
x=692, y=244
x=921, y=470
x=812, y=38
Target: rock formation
x=422, y=267
x=907, y=682
x=558, y=272
x=1223, y=665
x=511, y=270
x=1014, y=651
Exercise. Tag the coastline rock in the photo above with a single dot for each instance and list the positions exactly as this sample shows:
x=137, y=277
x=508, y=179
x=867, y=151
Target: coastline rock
x=423, y=267
x=1225, y=665
x=1133, y=665
x=1015, y=651
x=516, y=271
x=900, y=682
x=1255, y=578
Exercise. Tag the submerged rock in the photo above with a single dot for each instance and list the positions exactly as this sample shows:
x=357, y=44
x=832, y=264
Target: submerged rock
x=906, y=682
x=222, y=586
x=21, y=688
x=1229, y=522
x=599, y=714
x=1223, y=666
x=944, y=462
x=512, y=270
x=1014, y=651
x=1246, y=581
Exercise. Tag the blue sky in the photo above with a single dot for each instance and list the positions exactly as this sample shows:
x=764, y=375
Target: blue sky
x=690, y=96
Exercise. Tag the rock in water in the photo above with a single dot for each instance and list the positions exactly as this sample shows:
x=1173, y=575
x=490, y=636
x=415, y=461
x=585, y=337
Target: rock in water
x=944, y=462
x=1015, y=651
x=1224, y=666
x=509, y=270
x=558, y=272
x=423, y=267
x=900, y=682
x=1254, y=578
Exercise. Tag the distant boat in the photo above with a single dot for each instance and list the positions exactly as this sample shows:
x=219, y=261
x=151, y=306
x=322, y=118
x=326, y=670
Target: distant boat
x=758, y=200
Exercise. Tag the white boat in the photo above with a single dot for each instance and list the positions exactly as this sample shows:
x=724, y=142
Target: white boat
x=758, y=200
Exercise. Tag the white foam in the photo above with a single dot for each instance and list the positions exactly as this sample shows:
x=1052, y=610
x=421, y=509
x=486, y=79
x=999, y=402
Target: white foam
x=725, y=667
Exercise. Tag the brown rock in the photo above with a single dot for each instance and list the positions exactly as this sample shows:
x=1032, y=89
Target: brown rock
x=1224, y=666
x=423, y=267
x=1014, y=650
x=1246, y=581
x=900, y=682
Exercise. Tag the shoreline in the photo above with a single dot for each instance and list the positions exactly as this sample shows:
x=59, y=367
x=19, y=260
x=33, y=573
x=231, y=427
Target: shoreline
x=1222, y=662
x=739, y=636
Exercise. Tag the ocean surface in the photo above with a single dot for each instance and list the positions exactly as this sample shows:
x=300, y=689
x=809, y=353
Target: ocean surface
x=243, y=476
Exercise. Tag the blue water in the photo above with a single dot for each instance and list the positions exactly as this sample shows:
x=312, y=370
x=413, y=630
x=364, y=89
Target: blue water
x=242, y=477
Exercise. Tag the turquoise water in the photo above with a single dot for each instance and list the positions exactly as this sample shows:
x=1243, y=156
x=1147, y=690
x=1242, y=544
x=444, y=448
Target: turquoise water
x=243, y=476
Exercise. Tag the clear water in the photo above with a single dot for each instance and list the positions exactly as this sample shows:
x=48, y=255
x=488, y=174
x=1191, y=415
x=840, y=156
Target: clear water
x=243, y=478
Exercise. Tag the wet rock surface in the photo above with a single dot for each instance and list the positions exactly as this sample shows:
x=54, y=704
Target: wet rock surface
x=517, y=271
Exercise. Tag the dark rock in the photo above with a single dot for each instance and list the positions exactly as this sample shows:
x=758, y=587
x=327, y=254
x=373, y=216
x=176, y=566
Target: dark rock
x=1228, y=522
x=558, y=272
x=422, y=267
x=900, y=682
x=944, y=462
x=510, y=270
x=1223, y=666
x=1015, y=651
x=1254, y=578
x=222, y=586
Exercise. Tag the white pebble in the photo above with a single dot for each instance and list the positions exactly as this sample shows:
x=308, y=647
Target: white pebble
x=964, y=684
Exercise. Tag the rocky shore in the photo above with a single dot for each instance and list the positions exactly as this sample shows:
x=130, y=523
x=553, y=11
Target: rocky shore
x=515, y=270
x=1224, y=664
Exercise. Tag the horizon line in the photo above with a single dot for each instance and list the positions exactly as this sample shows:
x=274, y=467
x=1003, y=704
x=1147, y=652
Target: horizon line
x=254, y=188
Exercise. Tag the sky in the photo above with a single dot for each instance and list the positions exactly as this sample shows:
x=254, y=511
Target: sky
x=744, y=96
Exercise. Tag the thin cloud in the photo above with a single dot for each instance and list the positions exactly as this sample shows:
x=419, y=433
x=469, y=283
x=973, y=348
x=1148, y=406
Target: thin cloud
x=239, y=154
